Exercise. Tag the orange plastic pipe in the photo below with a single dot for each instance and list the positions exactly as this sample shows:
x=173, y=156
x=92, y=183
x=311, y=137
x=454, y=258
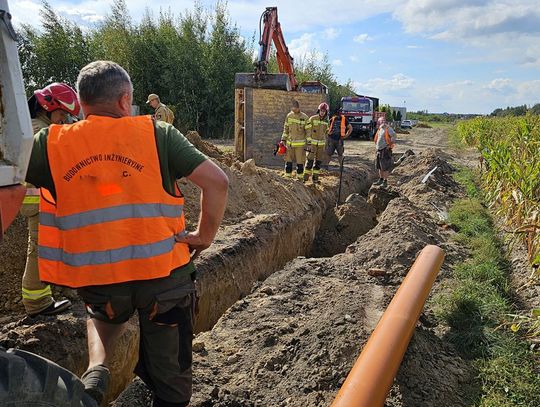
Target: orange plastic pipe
x=371, y=377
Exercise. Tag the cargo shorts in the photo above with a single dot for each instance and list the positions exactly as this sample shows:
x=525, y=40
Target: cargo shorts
x=384, y=159
x=166, y=308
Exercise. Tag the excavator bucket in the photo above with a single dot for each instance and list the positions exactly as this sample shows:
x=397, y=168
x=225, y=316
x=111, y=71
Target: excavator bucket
x=277, y=81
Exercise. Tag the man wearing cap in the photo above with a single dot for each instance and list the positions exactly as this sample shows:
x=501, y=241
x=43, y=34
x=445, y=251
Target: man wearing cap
x=162, y=112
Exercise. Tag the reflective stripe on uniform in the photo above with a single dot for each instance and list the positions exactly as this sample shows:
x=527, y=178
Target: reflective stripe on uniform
x=296, y=143
x=315, y=171
x=31, y=200
x=318, y=142
x=36, y=294
x=297, y=121
x=110, y=214
x=309, y=126
x=93, y=258
x=317, y=122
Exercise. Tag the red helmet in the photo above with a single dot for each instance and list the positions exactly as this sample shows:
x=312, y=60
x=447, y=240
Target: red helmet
x=58, y=96
x=323, y=106
x=282, y=149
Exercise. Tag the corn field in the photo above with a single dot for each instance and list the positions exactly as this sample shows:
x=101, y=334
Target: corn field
x=510, y=154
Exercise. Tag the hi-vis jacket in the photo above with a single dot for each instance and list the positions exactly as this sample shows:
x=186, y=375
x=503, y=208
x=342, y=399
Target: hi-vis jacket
x=294, y=129
x=388, y=140
x=316, y=129
x=112, y=220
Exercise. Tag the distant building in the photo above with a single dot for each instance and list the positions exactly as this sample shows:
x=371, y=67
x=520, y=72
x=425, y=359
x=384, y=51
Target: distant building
x=403, y=111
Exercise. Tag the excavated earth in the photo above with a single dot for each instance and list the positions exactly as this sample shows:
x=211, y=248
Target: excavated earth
x=268, y=221
x=292, y=341
x=292, y=287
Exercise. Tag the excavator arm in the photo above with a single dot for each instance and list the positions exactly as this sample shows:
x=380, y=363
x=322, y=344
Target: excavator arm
x=270, y=30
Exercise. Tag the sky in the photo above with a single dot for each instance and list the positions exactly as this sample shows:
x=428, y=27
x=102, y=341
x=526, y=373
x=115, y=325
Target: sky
x=452, y=56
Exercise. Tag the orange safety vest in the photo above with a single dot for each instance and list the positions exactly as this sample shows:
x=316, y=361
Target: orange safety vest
x=387, y=138
x=342, y=126
x=112, y=220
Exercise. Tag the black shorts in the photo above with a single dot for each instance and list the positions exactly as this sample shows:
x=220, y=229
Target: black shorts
x=384, y=159
x=166, y=309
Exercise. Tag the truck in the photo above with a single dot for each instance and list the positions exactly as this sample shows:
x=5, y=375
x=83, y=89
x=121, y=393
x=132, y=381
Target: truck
x=361, y=111
x=15, y=124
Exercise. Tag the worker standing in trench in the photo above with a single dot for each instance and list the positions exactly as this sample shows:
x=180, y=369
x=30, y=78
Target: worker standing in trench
x=50, y=105
x=316, y=128
x=338, y=130
x=113, y=227
x=294, y=136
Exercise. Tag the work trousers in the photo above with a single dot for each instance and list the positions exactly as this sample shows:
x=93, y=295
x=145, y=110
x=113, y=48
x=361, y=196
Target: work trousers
x=298, y=155
x=36, y=296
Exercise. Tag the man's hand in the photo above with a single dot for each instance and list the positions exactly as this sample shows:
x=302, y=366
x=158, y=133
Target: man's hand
x=195, y=242
x=214, y=187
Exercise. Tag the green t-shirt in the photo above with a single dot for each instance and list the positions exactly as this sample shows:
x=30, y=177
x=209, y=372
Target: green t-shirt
x=177, y=158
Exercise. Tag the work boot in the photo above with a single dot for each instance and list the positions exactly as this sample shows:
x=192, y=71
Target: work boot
x=316, y=179
x=378, y=182
x=96, y=381
x=306, y=177
x=57, y=307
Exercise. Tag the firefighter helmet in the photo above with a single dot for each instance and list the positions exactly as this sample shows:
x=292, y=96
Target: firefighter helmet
x=58, y=96
x=323, y=106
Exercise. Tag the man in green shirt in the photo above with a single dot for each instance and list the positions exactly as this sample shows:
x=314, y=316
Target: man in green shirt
x=165, y=305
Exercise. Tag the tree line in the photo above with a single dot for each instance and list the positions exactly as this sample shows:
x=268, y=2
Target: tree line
x=521, y=110
x=188, y=59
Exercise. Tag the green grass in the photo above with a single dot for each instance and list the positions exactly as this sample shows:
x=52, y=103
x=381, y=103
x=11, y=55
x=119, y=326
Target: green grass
x=439, y=125
x=476, y=303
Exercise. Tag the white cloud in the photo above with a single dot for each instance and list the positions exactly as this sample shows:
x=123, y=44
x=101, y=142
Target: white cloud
x=413, y=46
x=361, y=38
x=397, y=82
x=337, y=62
x=331, y=33
x=500, y=85
x=304, y=46
x=507, y=30
x=353, y=58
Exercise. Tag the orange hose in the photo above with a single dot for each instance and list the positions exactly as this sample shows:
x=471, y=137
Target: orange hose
x=371, y=377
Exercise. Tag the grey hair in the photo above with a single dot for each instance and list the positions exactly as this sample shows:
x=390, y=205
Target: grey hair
x=102, y=82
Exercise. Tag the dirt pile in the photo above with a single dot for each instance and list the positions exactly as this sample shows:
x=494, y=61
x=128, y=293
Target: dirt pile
x=341, y=226
x=293, y=340
x=263, y=208
x=62, y=339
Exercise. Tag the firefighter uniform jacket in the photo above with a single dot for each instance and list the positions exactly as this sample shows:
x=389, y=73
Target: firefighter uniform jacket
x=294, y=129
x=316, y=129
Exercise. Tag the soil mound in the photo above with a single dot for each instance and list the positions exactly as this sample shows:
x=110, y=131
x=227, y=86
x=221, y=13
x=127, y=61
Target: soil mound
x=342, y=226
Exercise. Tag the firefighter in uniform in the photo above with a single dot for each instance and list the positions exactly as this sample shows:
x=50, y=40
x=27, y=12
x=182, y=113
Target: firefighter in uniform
x=162, y=112
x=294, y=136
x=51, y=105
x=316, y=128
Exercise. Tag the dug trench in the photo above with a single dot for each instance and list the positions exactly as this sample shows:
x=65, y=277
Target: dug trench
x=269, y=220
x=294, y=338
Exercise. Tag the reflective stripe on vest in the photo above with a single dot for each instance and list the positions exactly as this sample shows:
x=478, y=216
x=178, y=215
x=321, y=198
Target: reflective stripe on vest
x=112, y=221
x=341, y=126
